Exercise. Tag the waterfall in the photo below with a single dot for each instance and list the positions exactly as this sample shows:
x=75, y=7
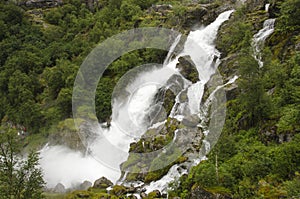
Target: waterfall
x=129, y=118
x=267, y=6
x=203, y=38
x=259, y=39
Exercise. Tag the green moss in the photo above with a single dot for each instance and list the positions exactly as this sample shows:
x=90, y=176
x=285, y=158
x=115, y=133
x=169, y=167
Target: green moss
x=118, y=190
x=34, y=142
x=89, y=195
x=219, y=190
x=132, y=159
x=54, y=195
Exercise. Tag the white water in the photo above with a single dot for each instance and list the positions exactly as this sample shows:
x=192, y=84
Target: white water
x=260, y=37
x=200, y=46
x=63, y=165
x=110, y=149
x=267, y=7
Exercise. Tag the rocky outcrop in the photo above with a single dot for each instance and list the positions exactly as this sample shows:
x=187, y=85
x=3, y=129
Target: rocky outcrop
x=66, y=134
x=195, y=15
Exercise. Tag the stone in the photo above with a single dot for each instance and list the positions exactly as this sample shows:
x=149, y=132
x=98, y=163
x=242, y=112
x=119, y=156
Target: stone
x=175, y=83
x=191, y=121
x=154, y=194
x=194, y=16
x=102, y=183
x=188, y=69
x=143, y=195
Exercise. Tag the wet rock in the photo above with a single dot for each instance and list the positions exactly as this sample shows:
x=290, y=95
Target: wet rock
x=156, y=114
x=194, y=15
x=183, y=96
x=102, y=183
x=191, y=121
x=154, y=194
x=162, y=105
x=143, y=195
x=187, y=68
x=175, y=83
x=59, y=188
x=231, y=91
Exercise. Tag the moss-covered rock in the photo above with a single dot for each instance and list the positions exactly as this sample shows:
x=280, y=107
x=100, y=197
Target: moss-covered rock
x=102, y=183
x=188, y=69
x=119, y=190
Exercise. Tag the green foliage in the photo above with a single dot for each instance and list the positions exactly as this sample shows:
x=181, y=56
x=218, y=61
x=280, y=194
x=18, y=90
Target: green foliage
x=289, y=19
x=266, y=105
x=18, y=178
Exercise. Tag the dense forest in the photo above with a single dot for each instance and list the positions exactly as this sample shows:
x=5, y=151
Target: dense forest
x=258, y=154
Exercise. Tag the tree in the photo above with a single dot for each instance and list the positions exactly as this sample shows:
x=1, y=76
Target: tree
x=19, y=178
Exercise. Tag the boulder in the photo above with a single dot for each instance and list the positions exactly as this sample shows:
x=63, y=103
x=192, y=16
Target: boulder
x=175, y=83
x=143, y=195
x=191, y=121
x=188, y=69
x=194, y=15
x=154, y=194
x=102, y=183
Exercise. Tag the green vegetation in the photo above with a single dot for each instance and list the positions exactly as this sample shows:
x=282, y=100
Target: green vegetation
x=39, y=60
x=19, y=177
x=257, y=155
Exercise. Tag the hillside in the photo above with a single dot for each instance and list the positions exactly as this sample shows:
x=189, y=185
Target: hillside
x=256, y=155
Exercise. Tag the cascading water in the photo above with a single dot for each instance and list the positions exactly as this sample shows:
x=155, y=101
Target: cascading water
x=62, y=165
x=267, y=6
x=203, y=38
x=259, y=39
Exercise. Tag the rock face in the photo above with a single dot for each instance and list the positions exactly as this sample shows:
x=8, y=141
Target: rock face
x=175, y=83
x=195, y=15
x=188, y=69
x=67, y=135
x=102, y=183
